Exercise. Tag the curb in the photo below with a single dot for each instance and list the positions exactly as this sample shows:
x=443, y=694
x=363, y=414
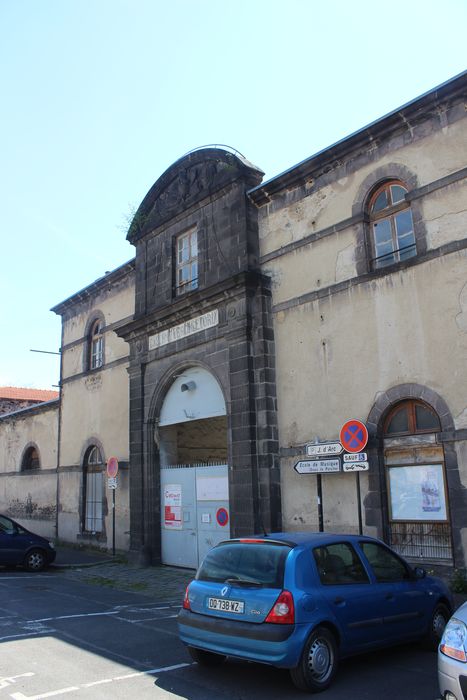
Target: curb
x=82, y=566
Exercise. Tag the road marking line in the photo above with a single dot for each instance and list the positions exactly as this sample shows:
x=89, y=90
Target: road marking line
x=70, y=617
x=11, y=680
x=149, y=619
x=20, y=696
x=151, y=672
x=89, y=685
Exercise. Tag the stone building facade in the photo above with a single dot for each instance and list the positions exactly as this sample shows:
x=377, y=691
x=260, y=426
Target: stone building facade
x=256, y=320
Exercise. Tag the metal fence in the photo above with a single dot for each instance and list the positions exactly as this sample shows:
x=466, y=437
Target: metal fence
x=422, y=540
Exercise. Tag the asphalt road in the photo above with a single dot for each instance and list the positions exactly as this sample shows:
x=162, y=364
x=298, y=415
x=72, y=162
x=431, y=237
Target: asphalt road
x=61, y=637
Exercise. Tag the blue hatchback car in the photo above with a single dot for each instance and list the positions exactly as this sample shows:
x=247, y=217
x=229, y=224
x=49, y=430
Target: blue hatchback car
x=301, y=601
x=20, y=547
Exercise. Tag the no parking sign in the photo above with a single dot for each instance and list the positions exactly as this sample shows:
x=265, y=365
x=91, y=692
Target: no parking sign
x=354, y=436
x=222, y=516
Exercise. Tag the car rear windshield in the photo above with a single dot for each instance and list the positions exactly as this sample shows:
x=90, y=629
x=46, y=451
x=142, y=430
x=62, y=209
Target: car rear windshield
x=258, y=563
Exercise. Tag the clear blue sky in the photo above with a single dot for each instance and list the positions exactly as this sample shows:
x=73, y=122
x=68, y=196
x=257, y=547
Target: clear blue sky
x=99, y=97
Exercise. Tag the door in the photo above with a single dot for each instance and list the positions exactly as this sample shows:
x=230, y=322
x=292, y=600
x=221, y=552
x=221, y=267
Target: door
x=194, y=512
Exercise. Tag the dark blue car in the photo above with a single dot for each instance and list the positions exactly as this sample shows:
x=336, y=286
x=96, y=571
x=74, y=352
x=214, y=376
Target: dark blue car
x=20, y=547
x=301, y=601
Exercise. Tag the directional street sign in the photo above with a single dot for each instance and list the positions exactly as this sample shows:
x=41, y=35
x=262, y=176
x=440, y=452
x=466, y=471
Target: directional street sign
x=356, y=457
x=323, y=449
x=354, y=436
x=356, y=466
x=112, y=482
x=318, y=466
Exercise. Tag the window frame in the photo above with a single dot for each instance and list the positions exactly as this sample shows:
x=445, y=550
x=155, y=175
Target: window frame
x=389, y=213
x=93, y=506
x=27, y=462
x=96, y=345
x=356, y=561
x=411, y=405
x=389, y=552
x=192, y=282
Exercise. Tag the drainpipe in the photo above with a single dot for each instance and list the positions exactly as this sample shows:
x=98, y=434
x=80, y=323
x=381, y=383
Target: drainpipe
x=59, y=432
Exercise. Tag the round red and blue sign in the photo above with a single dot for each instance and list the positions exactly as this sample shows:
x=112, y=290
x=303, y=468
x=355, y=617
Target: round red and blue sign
x=112, y=467
x=222, y=517
x=354, y=436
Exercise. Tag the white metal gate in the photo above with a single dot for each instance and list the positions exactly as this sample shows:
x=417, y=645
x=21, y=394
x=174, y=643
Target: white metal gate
x=195, y=512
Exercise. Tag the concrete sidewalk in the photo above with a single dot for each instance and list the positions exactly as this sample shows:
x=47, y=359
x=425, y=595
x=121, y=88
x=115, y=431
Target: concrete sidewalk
x=162, y=583
x=79, y=556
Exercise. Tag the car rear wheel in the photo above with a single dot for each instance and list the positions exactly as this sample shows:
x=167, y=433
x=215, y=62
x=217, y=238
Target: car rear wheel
x=438, y=622
x=318, y=663
x=35, y=560
x=206, y=658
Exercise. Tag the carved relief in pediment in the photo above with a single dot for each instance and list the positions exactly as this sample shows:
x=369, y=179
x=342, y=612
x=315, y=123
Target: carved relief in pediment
x=189, y=185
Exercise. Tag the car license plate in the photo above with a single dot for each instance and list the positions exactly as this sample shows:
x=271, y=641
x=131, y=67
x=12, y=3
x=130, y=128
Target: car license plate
x=233, y=606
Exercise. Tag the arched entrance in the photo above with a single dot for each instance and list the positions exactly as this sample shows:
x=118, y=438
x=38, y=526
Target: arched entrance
x=415, y=469
x=192, y=438
x=409, y=427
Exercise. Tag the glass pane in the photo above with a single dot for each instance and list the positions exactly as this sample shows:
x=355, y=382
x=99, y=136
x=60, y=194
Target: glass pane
x=425, y=419
x=381, y=201
x=383, y=242
x=183, y=249
x=93, y=517
x=404, y=224
x=382, y=232
x=260, y=563
x=386, y=566
x=94, y=456
x=339, y=564
x=397, y=193
x=399, y=423
x=194, y=245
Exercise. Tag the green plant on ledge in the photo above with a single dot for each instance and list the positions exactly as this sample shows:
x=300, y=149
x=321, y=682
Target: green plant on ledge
x=458, y=582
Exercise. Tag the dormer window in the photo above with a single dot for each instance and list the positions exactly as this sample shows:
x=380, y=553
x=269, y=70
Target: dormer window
x=186, y=262
x=391, y=225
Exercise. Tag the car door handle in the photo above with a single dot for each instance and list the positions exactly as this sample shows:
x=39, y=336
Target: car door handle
x=389, y=596
x=338, y=600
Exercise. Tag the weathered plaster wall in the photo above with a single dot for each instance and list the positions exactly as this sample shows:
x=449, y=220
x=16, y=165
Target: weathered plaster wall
x=343, y=336
x=95, y=410
x=29, y=496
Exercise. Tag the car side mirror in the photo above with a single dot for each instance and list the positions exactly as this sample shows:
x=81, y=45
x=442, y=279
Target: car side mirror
x=419, y=572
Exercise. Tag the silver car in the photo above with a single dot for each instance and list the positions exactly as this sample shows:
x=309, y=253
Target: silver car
x=452, y=657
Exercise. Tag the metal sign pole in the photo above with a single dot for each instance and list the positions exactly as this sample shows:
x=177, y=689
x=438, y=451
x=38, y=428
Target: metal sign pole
x=320, y=502
x=113, y=522
x=359, y=502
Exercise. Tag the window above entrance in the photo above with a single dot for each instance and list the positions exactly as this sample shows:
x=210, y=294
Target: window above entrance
x=411, y=417
x=186, y=262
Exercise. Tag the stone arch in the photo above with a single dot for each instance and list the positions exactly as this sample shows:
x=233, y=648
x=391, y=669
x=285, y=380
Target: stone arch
x=387, y=399
x=28, y=450
x=190, y=179
x=95, y=315
x=376, y=501
x=389, y=171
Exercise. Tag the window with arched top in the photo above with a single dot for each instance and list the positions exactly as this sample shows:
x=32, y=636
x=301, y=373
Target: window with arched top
x=392, y=235
x=416, y=482
x=96, y=345
x=31, y=459
x=411, y=417
x=93, y=483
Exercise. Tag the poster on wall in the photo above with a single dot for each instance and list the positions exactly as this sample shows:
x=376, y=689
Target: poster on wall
x=417, y=492
x=212, y=488
x=173, y=507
